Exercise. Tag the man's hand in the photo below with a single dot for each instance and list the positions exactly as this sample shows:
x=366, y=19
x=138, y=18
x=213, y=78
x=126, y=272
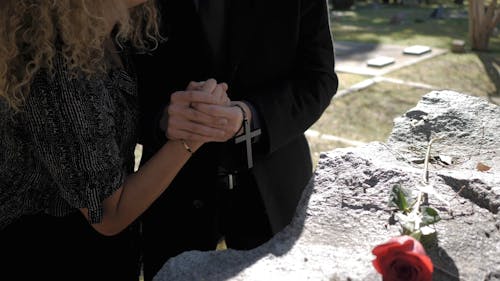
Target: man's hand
x=219, y=92
x=232, y=114
x=181, y=120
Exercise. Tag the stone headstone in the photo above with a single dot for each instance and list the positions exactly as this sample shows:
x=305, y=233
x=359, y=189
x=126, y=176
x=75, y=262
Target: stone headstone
x=416, y=50
x=380, y=61
x=343, y=213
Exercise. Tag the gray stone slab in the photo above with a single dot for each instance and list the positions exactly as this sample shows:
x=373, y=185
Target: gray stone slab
x=380, y=61
x=343, y=213
x=352, y=57
x=416, y=50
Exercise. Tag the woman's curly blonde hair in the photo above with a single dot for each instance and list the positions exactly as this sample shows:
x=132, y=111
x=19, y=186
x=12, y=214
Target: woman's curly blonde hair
x=29, y=30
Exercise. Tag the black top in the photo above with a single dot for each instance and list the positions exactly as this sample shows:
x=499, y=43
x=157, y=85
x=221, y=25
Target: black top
x=71, y=146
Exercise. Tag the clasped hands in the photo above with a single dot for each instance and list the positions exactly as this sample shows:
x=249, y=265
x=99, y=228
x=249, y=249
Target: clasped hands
x=203, y=113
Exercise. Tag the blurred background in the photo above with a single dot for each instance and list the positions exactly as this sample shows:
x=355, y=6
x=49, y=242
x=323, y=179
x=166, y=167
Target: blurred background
x=464, y=56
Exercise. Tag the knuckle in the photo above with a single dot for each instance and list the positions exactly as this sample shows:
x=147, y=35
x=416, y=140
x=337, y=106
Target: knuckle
x=175, y=96
x=170, y=110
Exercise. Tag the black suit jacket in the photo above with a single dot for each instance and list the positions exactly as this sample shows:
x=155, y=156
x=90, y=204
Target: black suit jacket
x=280, y=58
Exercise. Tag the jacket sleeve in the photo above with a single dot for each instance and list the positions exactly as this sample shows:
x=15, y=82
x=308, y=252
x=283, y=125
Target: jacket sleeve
x=289, y=106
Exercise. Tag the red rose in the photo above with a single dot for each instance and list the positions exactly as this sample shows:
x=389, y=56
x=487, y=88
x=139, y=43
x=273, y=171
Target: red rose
x=402, y=258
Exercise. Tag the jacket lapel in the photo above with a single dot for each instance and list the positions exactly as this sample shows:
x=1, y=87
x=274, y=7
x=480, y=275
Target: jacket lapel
x=242, y=21
x=213, y=21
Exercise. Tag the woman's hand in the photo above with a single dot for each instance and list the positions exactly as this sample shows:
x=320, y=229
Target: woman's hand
x=182, y=121
x=232, y=113
x=229, y=116
x=220, y=91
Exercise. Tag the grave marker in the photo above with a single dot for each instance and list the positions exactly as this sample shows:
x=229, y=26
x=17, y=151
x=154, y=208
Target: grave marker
x=380, y=61
x=416, y=50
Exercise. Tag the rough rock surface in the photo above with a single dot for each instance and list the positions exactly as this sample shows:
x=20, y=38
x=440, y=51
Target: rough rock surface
x=343, y=213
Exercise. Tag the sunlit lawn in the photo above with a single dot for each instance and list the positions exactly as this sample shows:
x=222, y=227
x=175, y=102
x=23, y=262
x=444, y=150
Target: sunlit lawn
x=347, y=80
x=464, y=73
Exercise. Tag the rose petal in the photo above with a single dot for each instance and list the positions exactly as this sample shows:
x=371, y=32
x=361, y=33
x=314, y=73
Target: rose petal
x=419, y=263
x=382, y=249
x=414, y=244
x=377, y=266
x=402, y=253
x=424, y=261
x=403, y=269
x=394, y=245
x=416, y=270
x=405, y=242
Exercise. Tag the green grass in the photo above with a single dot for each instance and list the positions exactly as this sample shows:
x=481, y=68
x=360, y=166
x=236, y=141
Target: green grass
x=347, y=80
x=363, y=116
x=464, y=73
x=367, y=115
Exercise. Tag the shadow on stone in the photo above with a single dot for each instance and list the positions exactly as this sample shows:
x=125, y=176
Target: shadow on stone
x=181, y=267
x=445, y=268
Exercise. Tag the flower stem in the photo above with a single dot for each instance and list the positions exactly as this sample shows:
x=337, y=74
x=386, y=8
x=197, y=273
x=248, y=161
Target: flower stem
x=426, y=161
x=425, y=179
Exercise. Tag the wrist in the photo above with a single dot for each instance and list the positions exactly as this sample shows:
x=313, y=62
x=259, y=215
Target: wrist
x=189, y=146
x=246, y=109
x=244, y=119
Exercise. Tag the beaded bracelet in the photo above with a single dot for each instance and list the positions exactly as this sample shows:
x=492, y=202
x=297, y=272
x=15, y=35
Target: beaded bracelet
x=244, y=118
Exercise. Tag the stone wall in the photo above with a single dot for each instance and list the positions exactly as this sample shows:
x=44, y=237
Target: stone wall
x=343, y=213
